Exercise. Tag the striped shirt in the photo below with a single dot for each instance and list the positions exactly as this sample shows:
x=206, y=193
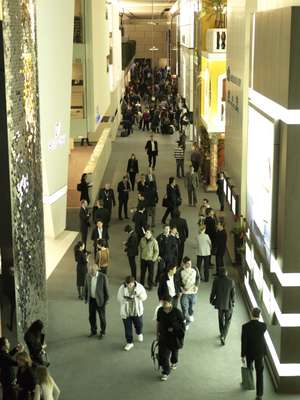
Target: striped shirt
x=178, y=153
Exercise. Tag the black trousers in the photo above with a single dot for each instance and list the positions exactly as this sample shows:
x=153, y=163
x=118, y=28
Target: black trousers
x=8, y=392
x=132, y=179
x=146, y=125
x=132, y=265
x=179, y=168
x=93, y=309
x=137, y=322
x=224, y=321
x=147, y=265
x=123, y=204
x=195, y=166
x=221, y=197
x=205, y=261
x=152, y=159
x=219, y=262
x=160, y=269
x=169, y=210
x=165, y=355
x=259, y=369
x=84, y=235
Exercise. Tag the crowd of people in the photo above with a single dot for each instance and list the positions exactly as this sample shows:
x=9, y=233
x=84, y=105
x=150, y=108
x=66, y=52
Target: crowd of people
x=151, y=102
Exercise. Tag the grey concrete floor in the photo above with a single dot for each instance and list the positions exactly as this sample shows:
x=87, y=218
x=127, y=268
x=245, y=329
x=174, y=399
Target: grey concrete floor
x=86, y=368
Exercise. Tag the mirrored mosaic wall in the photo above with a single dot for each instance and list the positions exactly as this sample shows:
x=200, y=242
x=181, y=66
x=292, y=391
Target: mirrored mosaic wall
x=20, y=60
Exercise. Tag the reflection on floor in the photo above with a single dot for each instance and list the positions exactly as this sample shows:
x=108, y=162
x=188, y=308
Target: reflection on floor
x=90, y=369
x=78, y=159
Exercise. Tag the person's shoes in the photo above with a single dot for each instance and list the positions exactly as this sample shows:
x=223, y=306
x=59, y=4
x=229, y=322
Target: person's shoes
x=128, y=346
x=92, y=334
x=140, y=338
x=222, y=340
x=164, y=377
x=192, y=319
x=173, y=366
x=101, y=335
x=120, y=218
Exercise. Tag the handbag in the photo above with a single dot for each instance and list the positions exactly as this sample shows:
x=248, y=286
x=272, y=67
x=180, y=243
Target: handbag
x=165, y=202
x=247, y=378
x=79, y=187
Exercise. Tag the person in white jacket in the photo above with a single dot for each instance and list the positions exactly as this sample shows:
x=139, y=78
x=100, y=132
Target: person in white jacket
x=203, y=253
x=46, y=388
x=131, y=296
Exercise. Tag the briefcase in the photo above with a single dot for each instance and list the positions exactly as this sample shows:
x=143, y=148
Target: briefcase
x=247, y=378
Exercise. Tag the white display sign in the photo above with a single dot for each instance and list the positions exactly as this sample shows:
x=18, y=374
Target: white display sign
x=233, y=205
x=258, y=275
x=261, y=134
x=249, y=257
x=229, y=195
x=268, y=298
x=225, y=187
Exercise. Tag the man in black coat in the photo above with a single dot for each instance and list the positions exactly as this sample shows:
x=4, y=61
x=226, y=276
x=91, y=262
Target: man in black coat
x=132, y=170
x=7, y=368
x=131, y=248
x=220, y=245
x=162, y=245
x=107, y=195
x=100, y=213
x=183, y=232
x=173, y=199
x=222, y=297
x=140, y=222
x=84, y=218
x=254, y=348
x=96, y=295
x=99, y=232
x=151, y=199
x=123, y=191
x=172, y=247
x=210, y=227
x=152, y=151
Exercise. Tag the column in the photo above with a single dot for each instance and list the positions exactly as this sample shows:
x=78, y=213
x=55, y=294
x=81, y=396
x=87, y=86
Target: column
x=213, y=163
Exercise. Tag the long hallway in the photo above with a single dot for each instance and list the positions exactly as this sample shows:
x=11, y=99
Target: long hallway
x=89, y=368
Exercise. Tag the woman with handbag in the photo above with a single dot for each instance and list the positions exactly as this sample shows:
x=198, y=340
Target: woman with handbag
x=81, y=258
x=45, y=388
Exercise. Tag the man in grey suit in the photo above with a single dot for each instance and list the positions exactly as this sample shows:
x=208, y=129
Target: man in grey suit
x=96, y=295
x=222, y=297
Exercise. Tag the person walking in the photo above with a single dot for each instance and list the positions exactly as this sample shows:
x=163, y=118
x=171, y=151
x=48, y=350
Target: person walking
x=203, y=253
x=169, y=285
x=189, y=280
x=101, y=214
x=84, y=218
x=151, y=199
x=131, y=247
x=210, y=228
x=254, y=348
x=161, y=261
x=179, y=158
x=96, y=296
x=45, y=388
x=202, y=211
x=170, y=336
x=220, y=190
x=192, y=186
x=220, y=245
x=131, y=296
x=146, y=119
x=132, y=170
x=107, y=195
x=148, y=249
x=102, y=256
x=83, y=187
x=98, y=233
x=152, y=151
x=196, y=157
x=81, y=258
x=183, y=232
x=8, y=365
x=222, y=297
x=172, y=247
x=140, y=221
x=173, y=199
x=123, y=191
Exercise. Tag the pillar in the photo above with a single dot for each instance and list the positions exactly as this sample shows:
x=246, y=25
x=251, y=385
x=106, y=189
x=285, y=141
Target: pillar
x=213, y=163
x=21, y=207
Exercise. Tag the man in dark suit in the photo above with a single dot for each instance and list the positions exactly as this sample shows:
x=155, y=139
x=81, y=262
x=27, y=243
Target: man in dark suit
x=173, y=199
x=254, y=348
x=183, y=232
x=220, y=245
x=96, y=295
x=152, y=151
x=172, y=247
x=101, y=213
x=123, y=191
x=210, y=225
x=107, y=195
x=222, y=297
x=84, y=217
x=131, y=248
x=140, y=221
x=132, y=170
x=99, y=232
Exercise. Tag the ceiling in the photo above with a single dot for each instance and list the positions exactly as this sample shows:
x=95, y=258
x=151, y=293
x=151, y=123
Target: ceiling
x=143, y=8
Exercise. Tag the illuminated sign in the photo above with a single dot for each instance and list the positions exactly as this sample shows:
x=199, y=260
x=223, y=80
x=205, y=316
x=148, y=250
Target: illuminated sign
x=268, y=298
x=233, y=204
x=225, y=187
x=229, y=194
x=249, y=256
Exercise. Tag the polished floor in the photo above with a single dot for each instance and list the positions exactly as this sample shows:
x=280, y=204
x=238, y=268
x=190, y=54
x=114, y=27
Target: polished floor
x=87, y=368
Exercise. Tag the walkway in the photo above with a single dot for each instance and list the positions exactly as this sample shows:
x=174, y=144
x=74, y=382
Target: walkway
x=91, y=369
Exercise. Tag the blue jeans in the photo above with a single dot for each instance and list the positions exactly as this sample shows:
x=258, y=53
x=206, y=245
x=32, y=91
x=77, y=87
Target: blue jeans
x=187, y=305
x=138, y=325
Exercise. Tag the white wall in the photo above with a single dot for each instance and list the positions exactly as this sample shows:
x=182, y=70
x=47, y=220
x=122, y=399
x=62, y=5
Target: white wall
x=263, y=5
x=55, y=46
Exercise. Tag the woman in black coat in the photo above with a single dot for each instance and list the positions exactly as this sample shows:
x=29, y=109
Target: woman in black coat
x=132, y=169
x=81, y=266
x=84, y=189
x=26, y=379
x=35, y=341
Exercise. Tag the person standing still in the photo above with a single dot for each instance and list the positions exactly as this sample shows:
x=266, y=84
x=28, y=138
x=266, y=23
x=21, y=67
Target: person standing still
x=173, y=198
x=96, y=296
x=179, y=158
x=192, y=186
x=220, y=245
x=107, y=196
x=132, y=170
x=152, y=151
x=220, y=190
x=84, y=217
x=131, y=247
x=123, y=191
x=148, y=249
x=222, y=297
x=254, y=348
x=203, y=253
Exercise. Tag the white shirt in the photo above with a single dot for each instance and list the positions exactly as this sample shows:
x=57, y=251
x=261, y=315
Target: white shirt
x=94, y=285
x=152, y=145
x=100, y=233
x=171, y=286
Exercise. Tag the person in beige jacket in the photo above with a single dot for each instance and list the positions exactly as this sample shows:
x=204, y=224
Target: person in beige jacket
x=149, y=253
